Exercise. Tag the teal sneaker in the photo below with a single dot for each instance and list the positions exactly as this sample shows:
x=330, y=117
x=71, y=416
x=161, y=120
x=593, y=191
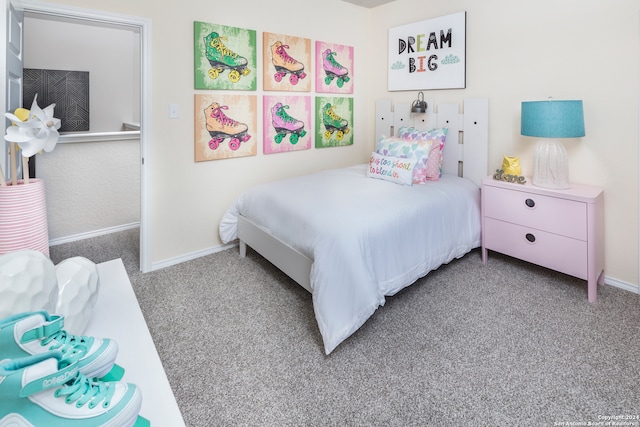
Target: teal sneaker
x=31, y=333
x=46, y=390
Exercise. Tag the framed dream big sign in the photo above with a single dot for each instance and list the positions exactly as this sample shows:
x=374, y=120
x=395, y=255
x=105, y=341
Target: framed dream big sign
x=428, y=54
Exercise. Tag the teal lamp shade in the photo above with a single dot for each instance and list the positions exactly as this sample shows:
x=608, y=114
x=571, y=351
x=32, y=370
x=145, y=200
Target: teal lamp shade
x=550, y=120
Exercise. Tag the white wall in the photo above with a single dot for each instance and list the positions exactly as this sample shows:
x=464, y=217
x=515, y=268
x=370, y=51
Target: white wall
x=515, y=51
x=188, y=198
x=90, y=186
x=109, y=54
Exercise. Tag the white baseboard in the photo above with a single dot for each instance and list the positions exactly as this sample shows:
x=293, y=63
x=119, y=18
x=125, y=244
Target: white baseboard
x=621, y=284
x=190, y=256
x=95, y=233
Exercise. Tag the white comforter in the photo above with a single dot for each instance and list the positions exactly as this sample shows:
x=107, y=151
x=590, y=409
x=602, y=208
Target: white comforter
x=368, y=238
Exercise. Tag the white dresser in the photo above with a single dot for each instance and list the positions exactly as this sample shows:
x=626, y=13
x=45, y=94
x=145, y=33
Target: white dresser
x=117, y=315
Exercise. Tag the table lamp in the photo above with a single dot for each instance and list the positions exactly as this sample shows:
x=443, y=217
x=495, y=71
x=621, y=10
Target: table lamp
x=552, y=119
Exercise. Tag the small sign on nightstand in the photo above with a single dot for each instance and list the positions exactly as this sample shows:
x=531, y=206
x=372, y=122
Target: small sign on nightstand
x=501, y=176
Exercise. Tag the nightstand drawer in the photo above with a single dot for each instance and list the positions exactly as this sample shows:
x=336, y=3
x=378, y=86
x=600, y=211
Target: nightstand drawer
x=549, y=250
x=552, y=214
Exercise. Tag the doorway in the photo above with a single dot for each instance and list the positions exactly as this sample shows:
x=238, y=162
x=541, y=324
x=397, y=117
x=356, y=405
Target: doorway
x=142, y=27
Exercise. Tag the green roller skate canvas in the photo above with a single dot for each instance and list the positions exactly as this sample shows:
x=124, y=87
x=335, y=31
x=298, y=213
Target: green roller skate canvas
x=334, y=121
x=225, y=57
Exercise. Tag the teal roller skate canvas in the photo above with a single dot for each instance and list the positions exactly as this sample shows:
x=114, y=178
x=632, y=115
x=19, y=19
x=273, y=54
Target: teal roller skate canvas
x=334, y=121
x=225, y=57
x=286, y=63
x=225, y=126
x=334, y=68
x=287, y=121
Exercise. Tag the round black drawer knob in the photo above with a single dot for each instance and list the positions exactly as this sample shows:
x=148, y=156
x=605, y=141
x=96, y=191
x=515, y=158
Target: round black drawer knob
x=530, y=237
x=530, y=203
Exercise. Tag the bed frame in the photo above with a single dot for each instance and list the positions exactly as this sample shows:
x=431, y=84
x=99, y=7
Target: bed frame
x=465, y=154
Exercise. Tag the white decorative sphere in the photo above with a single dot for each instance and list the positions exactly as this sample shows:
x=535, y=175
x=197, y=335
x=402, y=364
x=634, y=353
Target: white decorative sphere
x=78, y=286
x=27, y=282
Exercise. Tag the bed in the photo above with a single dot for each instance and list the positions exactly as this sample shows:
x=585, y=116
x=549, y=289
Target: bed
x=352, y=240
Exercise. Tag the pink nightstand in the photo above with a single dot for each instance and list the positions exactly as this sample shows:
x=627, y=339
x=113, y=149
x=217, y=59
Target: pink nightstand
x=559, y=229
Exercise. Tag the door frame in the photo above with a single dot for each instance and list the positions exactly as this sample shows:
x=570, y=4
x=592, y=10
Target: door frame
x=144, y=26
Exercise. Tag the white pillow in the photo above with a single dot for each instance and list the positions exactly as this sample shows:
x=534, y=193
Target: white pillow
x=393, y=169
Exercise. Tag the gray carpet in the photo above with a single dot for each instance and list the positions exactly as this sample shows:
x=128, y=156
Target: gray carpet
x=504, y=344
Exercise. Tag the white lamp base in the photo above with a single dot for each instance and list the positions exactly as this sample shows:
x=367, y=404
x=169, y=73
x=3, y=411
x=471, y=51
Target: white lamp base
x=551, y=166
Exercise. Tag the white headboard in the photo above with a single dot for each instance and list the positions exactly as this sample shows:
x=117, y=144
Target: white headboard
x=466, y=149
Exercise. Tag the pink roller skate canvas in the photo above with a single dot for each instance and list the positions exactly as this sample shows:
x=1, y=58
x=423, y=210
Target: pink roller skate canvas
x=286, y=63
x=225, y=126
x=287, y=123
x=225, y=57
x=334, y=68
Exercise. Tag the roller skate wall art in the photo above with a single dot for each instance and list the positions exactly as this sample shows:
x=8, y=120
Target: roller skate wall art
x=225, y=57
x=334, y=121
x=286, y=63
x=225, y=126
x=286, y=123
x=334, y=68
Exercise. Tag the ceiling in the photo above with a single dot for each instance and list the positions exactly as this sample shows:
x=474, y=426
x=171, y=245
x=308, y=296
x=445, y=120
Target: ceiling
x=368, y=3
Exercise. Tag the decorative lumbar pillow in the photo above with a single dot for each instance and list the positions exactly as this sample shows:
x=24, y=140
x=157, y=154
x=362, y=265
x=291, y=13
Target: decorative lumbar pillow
x=417, y=151
x=437, y=138
x=392, y=169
